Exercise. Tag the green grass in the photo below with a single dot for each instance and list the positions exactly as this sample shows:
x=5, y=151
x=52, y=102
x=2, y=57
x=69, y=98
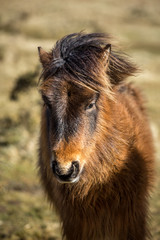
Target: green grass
x=25, y=25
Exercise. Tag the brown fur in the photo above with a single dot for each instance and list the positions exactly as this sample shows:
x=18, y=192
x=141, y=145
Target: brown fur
x=110, y=200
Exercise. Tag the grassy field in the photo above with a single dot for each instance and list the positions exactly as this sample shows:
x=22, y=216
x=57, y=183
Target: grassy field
x=25, y=25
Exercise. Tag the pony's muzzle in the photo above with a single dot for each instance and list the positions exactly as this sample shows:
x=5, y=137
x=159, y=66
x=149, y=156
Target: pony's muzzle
x=66, y=173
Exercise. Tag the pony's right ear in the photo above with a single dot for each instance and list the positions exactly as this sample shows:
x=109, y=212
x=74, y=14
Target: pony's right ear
x=44, y=57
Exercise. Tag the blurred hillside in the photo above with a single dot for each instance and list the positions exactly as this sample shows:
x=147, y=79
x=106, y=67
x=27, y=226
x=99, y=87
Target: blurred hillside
x=25, y=25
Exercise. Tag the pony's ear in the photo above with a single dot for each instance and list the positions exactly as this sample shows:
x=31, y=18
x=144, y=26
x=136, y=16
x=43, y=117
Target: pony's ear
x=44, y=57
x=106, y=55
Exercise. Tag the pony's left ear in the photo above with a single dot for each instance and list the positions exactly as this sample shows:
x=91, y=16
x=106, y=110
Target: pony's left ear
x=106, y=55
x=44, y=57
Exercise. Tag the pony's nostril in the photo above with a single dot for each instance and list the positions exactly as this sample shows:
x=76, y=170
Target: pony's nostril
x=54, y=163
x=55, y=168
x=75, y=167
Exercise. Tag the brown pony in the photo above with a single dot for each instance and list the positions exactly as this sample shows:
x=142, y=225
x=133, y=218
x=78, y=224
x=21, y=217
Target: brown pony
x=96, y=153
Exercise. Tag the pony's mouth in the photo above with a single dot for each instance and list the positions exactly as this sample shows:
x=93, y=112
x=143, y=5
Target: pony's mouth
x=71, y=180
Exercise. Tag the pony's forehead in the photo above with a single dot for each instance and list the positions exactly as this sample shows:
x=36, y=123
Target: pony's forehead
x=63, y=84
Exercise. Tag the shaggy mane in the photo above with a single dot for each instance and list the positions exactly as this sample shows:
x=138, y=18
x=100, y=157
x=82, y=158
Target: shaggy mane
x=81, y=56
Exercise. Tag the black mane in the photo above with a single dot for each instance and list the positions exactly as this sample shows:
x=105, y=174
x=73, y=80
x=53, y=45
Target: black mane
x=79, y=56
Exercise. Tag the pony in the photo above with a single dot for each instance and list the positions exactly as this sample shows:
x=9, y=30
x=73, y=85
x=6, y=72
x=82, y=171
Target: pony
x=96, y=154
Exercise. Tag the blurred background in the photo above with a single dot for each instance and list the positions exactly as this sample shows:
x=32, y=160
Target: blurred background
x=25, y=25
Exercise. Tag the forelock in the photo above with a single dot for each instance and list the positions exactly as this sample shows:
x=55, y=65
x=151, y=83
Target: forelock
x=79, y=57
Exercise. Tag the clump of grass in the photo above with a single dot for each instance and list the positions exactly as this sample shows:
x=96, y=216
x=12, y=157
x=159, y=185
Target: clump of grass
x=24, y=83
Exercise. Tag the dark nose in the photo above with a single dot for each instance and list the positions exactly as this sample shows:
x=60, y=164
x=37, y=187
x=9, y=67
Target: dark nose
x=67, y=175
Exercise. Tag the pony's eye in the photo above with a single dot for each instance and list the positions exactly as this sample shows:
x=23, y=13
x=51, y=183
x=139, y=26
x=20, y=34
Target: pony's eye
x=90, y=106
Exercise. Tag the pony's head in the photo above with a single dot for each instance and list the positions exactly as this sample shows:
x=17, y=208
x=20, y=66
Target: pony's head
x=76, y=88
